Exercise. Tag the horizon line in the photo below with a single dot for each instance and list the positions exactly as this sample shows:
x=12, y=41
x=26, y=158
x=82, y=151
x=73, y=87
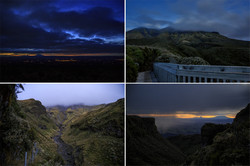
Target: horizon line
x=60, y=54
x=183, y=116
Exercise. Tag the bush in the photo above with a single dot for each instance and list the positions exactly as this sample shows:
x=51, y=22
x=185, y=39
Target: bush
x=132, y=70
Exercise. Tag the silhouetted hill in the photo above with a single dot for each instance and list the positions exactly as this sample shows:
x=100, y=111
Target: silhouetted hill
x=188, y=144
x=145, y=145
x=174, y=44
x=228, y=145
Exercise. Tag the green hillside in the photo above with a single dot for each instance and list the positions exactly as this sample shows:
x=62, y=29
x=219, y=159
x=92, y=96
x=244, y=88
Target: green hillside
x=97, y=136
x=25, y=127
x=73, y=135
x=145, y=145
x=43, y=129
x=187, y=47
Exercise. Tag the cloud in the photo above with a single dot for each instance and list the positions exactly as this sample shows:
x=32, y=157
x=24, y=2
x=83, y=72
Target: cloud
x=199, y=98
x=41, y=25
x=229, y=18
x=149, y=22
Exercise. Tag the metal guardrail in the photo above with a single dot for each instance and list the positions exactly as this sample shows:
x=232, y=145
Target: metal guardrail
x=169, y=72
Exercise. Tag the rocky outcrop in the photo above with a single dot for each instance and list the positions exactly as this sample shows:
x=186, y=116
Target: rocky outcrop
x=145, y=145
x=210, y=130
x=229, y=147
x=32, y=106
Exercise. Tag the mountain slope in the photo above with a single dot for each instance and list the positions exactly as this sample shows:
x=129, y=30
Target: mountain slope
x=97, y=135
x=210, y=46
x=43, y=130
x=145, y=145
x=188, y=144
x=229, y=147
x=64, y=114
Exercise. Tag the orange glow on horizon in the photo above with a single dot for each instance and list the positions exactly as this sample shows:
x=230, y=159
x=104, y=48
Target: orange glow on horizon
x=62, y=54
x=230, y=116
x=181, y=116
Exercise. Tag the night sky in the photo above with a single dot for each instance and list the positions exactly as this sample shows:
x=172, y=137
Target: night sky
x=61, y=26
x=197, y=100
x=69, y=94
x=228, y=17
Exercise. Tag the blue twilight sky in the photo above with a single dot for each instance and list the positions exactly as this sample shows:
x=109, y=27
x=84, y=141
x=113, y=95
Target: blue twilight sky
x=62, y=26
x=69, y=94
x=228, y=17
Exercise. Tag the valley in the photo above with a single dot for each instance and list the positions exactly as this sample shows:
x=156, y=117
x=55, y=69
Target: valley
x=217, y=143
x=57, y=135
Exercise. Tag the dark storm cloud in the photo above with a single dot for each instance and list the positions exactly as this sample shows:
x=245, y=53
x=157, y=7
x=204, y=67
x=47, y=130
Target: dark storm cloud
x=48, y=25
x=213, y=15
x=228, y=17
x=199, y=98
x=95, y=21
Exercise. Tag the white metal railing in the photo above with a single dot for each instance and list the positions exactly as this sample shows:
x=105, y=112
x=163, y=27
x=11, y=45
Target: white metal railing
x=168, y=72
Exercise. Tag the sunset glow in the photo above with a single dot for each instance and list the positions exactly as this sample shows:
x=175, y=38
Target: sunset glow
x=61, y=54
x=181, y=116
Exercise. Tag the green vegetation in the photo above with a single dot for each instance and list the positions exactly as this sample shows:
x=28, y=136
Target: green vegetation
x=43, y=131
x=211, y=47
x=97, y=136
x=95, y=132
x=16, y=136
x=139, y=59
x=145, y=145
x=22, y=124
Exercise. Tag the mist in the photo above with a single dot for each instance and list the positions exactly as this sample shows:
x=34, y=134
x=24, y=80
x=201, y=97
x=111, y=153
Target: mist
x=70, y=94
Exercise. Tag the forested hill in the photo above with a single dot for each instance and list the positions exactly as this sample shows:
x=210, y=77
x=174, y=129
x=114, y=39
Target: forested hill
x=212, y=47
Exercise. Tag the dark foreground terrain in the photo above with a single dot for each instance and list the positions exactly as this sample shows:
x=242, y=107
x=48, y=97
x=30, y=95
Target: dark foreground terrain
x=62, y=69
x=218, y=144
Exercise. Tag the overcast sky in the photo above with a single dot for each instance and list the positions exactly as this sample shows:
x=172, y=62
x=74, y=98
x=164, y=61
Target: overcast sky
x=205, y=99
x=69, y=94
x=62, y=26
x=228, y=17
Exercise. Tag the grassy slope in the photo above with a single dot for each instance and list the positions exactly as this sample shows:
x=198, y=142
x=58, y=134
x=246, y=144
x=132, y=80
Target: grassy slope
x=212, y=47
x=97, y=136
x=64, y=115
x=44, y=129
x=145, y=145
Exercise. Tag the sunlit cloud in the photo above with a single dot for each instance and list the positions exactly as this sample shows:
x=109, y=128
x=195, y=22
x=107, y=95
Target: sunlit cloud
x=183, y=115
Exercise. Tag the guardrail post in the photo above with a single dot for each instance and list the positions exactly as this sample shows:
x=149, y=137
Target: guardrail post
x=25, y=160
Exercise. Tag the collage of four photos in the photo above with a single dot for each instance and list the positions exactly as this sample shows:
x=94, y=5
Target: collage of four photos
x=124, y=82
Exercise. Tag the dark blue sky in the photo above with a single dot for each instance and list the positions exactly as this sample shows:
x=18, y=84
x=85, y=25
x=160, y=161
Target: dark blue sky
x=62, y=26
x=228, y=17
x=69, y=94
x=216, y=99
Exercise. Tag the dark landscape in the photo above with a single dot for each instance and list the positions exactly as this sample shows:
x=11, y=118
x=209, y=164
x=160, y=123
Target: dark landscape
x=177, y=126
x=72, y=135
x=186, y=124
x=62, y=41
x=146, y=46
x=62, y=69
x=217, y=144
